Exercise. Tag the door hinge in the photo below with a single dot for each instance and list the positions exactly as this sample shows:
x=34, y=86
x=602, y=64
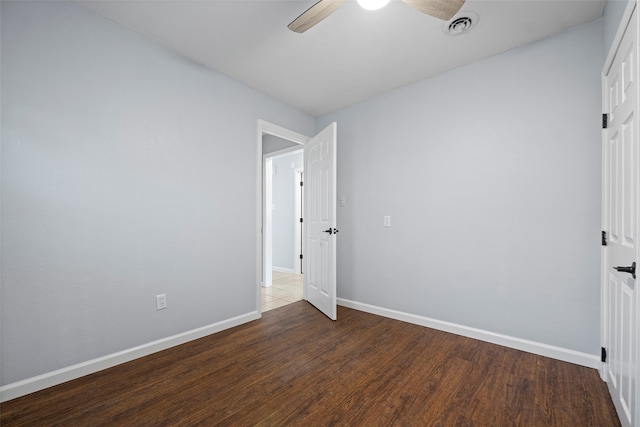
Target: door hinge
x=301, y=184
x=605, y=118
x=604, y=238
x=300, y=256
x=603, y=354
x=301, y=220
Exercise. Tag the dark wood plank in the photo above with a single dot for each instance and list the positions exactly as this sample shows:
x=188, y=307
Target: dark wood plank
x=296, y=367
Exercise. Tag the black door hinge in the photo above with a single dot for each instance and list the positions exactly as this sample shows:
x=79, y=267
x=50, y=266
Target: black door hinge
x=300, y=256
x=301, y=220
x=604, y=238
x=603, y=354
x=301, y=184
x=604, y=120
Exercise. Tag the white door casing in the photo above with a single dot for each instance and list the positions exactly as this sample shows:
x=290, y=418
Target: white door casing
x=322, y=282
x=262, y=250
x=267, y=229
x=320, y=221
x=620, y=222
x=298, y=219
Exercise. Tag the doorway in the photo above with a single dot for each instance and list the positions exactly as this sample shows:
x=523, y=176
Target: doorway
x=320, y=229
x=277, y=287
x=282, y=222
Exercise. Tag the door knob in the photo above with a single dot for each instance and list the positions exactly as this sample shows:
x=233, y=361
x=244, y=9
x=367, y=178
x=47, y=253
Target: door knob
x=631, y=269
x=329, y=230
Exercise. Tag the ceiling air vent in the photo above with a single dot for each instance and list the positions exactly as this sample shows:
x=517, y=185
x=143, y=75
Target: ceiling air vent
x=461, y=24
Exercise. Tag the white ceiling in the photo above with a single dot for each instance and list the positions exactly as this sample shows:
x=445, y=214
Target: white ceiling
x=352, y=55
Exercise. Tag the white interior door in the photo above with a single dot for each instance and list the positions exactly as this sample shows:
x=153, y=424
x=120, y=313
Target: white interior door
x=620, y=217
x=320, y=219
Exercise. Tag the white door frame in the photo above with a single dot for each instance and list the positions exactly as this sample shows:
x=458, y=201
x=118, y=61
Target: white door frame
x=267, y=223
x=266, y=128
x=297, y=235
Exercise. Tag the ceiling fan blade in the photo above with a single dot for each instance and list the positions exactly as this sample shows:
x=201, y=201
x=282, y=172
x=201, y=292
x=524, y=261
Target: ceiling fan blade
x=442, y=9
x=314, y=14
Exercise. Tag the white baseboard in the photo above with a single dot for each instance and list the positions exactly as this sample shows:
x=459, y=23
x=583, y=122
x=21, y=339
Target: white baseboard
x=40, y=382
x=283, y=270
x=559, y=353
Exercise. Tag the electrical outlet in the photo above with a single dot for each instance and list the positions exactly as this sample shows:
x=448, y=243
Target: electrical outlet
x=161, y=302
x=387, y=221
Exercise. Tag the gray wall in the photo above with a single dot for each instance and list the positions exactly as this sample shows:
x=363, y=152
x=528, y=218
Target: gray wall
x=127, y=171
x=271, y=143
x=613, y=11
x=283, y=215
x=491, y=176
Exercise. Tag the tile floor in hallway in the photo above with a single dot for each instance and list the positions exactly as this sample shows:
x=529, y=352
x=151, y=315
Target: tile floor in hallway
x=286, y=288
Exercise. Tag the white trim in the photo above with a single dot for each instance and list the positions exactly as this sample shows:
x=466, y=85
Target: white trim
x=559, y=353
x=283, y=270
x=50, y=379
x=604, y=218
x=298, y=213
x=267, y=222
x=267, y=227
x=266, y=128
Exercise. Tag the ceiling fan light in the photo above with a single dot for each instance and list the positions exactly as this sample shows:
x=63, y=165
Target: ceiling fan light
x=372, y=4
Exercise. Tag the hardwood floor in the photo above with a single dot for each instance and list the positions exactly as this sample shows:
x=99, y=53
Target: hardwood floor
x=296, y=367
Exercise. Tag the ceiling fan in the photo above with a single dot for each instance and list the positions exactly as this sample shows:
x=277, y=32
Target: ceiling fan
x=442, y=9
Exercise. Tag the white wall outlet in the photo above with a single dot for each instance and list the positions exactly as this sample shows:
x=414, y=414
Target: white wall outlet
x=161, y=301
x=387, y=221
